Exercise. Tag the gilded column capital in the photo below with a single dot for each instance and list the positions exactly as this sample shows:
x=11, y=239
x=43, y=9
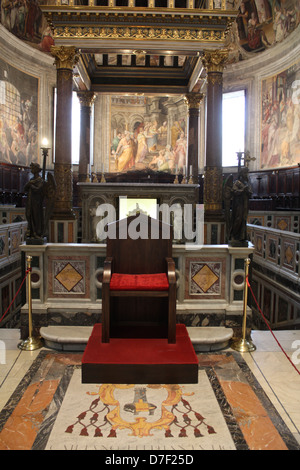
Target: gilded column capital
x=65, y=56
x=86, y=98
x=214, y=61
x=193, y=100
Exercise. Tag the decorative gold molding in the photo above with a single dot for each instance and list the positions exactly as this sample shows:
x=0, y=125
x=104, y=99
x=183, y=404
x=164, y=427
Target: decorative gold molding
x=139, y=33
x=65, y=57
x=63, y=177
x=95, y=22
x=213, y=207
x=66, y=74
x=86, y=98
x=215, y=78
x=63, y=205
x=150, y=9
x=213, y=188
x=193, y=100
x=215, y=61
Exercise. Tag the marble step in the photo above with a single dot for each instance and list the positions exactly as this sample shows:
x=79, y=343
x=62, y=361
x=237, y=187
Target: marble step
x=10, y=338
x=210, y=338
x=75, y=338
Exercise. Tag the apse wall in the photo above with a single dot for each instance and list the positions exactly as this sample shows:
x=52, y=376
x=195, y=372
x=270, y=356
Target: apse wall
x=27, y=81
x=272, y=82
x=271, y=78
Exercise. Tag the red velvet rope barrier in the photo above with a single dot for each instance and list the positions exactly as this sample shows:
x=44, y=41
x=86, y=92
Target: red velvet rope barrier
x=265, y=320
x=28, y=270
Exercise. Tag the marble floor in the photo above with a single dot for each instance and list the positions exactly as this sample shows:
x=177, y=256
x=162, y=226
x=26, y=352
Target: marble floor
x=275, y=374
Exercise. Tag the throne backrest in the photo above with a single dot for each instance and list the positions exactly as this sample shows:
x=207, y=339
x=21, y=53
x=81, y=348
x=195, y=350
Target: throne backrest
x=143, y=255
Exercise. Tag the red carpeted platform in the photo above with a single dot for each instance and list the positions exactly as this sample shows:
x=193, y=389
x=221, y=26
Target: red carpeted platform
x=140, y=360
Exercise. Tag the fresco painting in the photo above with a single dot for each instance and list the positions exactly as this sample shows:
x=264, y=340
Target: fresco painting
x=280, y=119
x=260, y=23
x=25, y=20
x=143, y=137
x=263, y=23
x=18, y=116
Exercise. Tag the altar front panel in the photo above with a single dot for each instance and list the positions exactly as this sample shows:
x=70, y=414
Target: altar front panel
x=95, y=195
x=67, y=284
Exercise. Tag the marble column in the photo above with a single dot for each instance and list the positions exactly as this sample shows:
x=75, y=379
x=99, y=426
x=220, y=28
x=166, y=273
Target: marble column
x=86, y=99
x=193, y=101
x=214, y=62
x=65, y=59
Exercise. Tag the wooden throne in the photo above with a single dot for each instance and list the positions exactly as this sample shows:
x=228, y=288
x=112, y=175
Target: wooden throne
x=139, y=282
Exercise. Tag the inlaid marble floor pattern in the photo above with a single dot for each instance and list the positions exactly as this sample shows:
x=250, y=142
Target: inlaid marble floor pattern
x=274, y=380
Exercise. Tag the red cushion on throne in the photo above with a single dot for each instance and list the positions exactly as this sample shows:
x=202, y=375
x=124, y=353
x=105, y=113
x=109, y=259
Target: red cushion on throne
x=157, y=281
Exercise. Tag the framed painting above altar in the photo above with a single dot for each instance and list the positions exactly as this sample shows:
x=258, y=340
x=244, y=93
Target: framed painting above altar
x=147, y=133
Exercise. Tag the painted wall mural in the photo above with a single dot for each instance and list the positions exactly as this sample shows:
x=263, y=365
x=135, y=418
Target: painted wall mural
x=263, y=23
x=25, y=20
x=148, y=132
x=19, y=93
x=280, y=118
x=259, y=25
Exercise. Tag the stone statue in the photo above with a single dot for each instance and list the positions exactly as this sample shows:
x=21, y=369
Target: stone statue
x=38, y=190
x=236, y=203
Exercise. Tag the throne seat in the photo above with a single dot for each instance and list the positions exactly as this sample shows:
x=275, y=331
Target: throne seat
x=139, y=282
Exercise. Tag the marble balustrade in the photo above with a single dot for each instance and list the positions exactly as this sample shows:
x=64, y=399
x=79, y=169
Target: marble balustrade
x=11, y=236
x=66, y=284
x=275, y=276
x=10, y=214
x=281, y=220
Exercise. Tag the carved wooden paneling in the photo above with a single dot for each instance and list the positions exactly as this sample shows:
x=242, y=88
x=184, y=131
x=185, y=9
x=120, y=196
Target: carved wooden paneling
x=275, y=189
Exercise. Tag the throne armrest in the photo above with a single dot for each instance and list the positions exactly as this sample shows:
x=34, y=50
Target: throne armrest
x=171, y=271
x=107, y=270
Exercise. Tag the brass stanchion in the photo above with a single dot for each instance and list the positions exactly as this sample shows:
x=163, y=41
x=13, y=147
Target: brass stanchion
x=243, y=344
x=31, y=343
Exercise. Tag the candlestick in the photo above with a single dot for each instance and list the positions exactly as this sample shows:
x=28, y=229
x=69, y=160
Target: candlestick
x=176, y=181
